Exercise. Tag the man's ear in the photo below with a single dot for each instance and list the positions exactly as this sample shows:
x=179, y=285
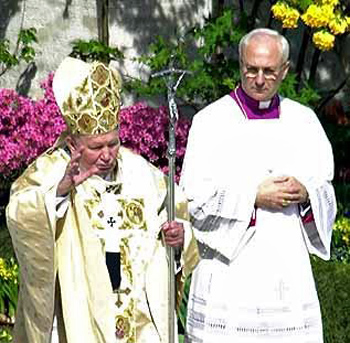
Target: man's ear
x=72, y=144
x=285, y=69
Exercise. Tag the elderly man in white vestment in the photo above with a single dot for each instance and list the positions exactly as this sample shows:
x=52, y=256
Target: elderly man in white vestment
x=257, y=173
x=89, y=226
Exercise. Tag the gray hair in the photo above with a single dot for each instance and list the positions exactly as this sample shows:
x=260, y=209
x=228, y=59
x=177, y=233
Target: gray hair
x=261, y=32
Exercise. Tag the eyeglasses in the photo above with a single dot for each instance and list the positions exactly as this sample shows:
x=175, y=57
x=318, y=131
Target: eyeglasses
x=268, y=73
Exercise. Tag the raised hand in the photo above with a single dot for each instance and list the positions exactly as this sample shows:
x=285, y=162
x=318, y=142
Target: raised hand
x=74, y=174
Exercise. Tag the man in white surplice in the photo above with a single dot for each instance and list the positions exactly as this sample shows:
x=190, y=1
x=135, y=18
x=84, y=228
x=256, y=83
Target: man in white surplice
x=258, y=172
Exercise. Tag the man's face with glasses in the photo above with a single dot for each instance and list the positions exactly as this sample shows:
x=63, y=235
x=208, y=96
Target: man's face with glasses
x=262, y=70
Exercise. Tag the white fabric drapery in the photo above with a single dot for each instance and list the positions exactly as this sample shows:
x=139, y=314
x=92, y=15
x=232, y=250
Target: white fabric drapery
x=255, y=284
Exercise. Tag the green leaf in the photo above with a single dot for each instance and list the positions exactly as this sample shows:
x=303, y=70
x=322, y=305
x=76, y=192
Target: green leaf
x=27, y=36
x=303, y=4
x=92, y=50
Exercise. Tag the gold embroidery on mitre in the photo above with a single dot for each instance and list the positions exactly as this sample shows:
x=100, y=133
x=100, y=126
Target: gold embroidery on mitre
x=93, y=106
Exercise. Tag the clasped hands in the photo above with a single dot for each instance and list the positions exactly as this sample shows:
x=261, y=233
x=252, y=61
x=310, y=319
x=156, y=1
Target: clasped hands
x=279, y=192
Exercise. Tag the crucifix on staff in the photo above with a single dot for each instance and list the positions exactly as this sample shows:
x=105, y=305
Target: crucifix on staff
x=172, y=84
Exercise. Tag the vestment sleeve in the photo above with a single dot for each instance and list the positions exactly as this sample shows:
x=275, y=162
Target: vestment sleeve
x=318, y=182
x=220, y=205
x=30, y=219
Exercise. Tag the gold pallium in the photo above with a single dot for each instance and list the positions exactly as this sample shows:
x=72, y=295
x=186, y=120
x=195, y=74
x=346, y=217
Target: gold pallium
x=93, y=107
x=125, y=260
x=125, y=324
x=119, y=293
x=122, y=327
x=134, y=214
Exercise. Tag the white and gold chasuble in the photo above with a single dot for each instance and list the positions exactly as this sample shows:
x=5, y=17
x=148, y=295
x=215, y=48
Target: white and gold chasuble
x=125, y=224
x=68, y=254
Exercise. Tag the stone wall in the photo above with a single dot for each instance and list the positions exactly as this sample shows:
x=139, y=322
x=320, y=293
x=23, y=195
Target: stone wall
x=133, y=26
x=58, y=23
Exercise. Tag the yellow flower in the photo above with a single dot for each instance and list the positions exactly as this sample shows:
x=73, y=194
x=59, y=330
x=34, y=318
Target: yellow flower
x=318, y=16
x=288, y=15
x=348, y=22
x=279, y=10
x=346, y=239
x=291, y=19
x=338, y=25
x=4, y=272
x=8, y=270
x=342, y=225
x=323, y=40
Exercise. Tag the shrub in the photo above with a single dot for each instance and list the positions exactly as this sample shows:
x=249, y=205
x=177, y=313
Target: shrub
x=8, y=287
x=341, y=240
x=27, y=128
x=145, y=130
x=5, y=335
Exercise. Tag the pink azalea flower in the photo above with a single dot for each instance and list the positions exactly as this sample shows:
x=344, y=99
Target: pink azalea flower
x=28, y=128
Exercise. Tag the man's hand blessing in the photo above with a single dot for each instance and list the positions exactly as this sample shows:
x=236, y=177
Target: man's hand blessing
x=279, y=192
x=74, y=175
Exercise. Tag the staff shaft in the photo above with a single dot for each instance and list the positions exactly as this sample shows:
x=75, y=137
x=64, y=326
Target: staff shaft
x=171, y=215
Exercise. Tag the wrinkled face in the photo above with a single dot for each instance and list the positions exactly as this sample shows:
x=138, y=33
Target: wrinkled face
x=262, y=70
x=98, y=150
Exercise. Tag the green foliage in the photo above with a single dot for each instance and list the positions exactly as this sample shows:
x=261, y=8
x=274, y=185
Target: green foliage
x=5, y=335
x=339, y=135
x=206, y=52
x=26, y=38
x=23, y=51
x=8, y=278
x=342, y=190
x=5, y=55
x=220, y=32
x=306, y=95
x=210, y=53
x=6, y=250
x=332, y=281
x=182, y=313
x=161, y=53
x=92, y=50
x=341, y=240
x=8, y=286
x=300, y=4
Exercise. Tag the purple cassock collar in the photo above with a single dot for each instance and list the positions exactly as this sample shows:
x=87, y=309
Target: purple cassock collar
x=253, y=109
